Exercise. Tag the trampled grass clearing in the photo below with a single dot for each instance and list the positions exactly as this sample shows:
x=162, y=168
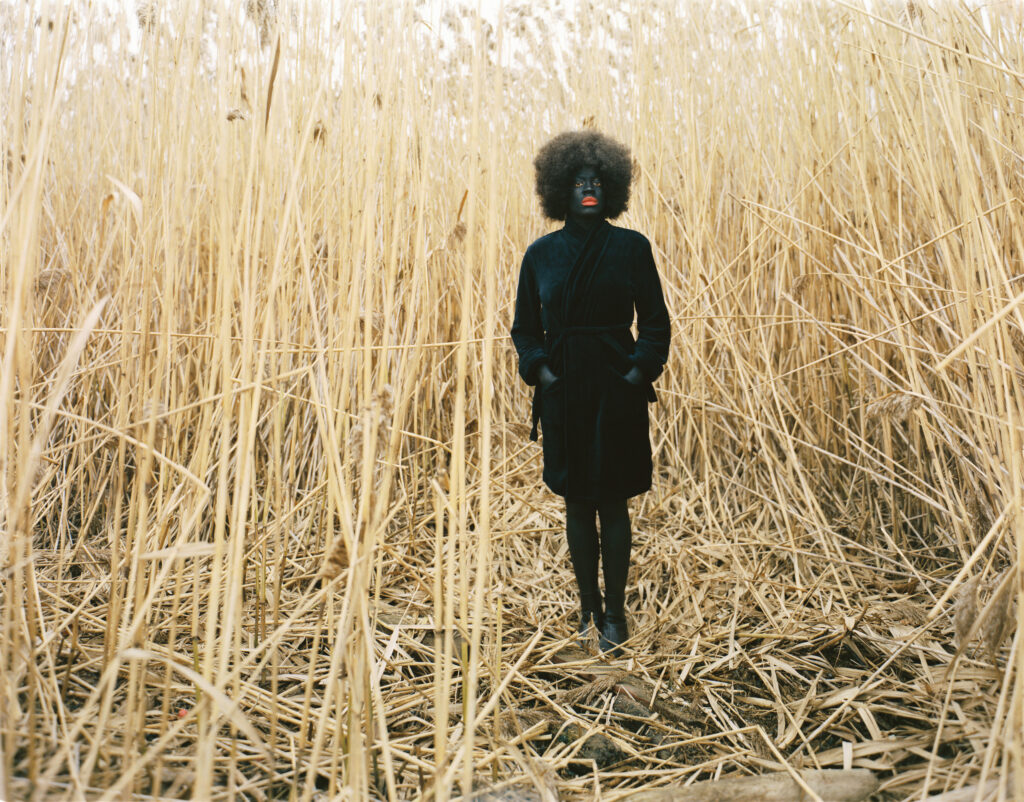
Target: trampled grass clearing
x=270, y=524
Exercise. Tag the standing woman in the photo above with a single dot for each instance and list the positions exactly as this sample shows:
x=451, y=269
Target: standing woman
x=579, y=287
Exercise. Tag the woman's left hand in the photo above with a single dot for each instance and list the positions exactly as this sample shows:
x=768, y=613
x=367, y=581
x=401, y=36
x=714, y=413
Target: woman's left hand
x=635, y=376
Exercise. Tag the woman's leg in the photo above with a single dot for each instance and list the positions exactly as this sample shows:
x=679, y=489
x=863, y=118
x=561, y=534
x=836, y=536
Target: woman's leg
x=584, y=549
x=616, y=544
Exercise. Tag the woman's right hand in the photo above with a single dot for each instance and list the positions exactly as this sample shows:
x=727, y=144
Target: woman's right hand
x=547, y=378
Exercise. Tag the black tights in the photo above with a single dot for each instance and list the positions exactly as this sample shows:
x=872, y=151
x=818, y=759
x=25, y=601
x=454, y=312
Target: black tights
x=613, y=547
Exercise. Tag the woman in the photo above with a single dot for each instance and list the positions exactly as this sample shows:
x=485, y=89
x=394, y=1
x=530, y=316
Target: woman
x=578, y=289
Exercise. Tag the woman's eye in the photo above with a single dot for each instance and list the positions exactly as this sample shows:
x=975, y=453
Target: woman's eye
x=579, y=184
x=597, y=182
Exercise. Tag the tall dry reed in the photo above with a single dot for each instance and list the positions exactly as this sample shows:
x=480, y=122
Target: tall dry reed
x=270, y=526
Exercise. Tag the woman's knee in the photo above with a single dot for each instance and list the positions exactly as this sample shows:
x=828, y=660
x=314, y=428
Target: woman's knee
x=579, y=510
x=613, y=512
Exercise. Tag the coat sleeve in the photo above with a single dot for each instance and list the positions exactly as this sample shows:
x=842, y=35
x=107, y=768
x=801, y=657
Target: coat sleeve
x=527, y=327
x=652, y=321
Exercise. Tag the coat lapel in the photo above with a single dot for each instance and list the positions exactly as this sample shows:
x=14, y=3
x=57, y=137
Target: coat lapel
x=578, y=354
x=574, y=301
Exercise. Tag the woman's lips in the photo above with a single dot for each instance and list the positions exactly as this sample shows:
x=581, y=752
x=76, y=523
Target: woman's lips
x=589, y=201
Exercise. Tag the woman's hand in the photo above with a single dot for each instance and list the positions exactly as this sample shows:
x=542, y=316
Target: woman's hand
x=635, y=376
x=547, y=378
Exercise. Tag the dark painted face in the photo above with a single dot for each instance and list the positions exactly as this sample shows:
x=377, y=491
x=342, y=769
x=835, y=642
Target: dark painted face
x=587, y=200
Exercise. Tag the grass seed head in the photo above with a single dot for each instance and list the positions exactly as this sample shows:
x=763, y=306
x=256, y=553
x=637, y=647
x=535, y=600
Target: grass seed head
x=457, y=234
x=49, y=278
x=800, y=285
x=965, y=609
x=336, y=561
x=894, y=406
x=147, y=15
x=1000, y=620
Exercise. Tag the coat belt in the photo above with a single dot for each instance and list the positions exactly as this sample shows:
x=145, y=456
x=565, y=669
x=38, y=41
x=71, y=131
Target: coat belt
x=555, y=352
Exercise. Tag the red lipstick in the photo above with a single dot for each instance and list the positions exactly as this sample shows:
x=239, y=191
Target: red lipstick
x=589, y=201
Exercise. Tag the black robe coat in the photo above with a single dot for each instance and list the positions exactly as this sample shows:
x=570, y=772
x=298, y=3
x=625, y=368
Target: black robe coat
x=578, y=290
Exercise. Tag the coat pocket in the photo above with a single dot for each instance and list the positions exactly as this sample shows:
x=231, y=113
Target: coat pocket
x=623, y=443
x=623, y=398
x=553, y=435
x=552, y=407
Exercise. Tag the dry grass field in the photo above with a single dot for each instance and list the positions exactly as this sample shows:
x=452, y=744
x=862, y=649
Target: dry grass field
x=270, y=523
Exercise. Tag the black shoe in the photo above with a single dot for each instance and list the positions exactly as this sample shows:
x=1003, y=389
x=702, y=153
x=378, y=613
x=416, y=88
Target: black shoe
x=613, y=634
x=588, y=618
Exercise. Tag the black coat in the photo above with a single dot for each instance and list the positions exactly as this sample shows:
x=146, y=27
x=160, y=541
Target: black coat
x=577, y=293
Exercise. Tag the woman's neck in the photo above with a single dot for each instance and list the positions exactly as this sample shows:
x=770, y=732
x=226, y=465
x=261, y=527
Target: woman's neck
x=583, y=223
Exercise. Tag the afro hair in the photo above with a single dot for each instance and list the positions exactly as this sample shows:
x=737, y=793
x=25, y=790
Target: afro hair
x=559, y=161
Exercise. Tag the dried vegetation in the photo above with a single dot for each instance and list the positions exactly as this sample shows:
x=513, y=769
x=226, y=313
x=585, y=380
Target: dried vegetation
x=270, y=525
